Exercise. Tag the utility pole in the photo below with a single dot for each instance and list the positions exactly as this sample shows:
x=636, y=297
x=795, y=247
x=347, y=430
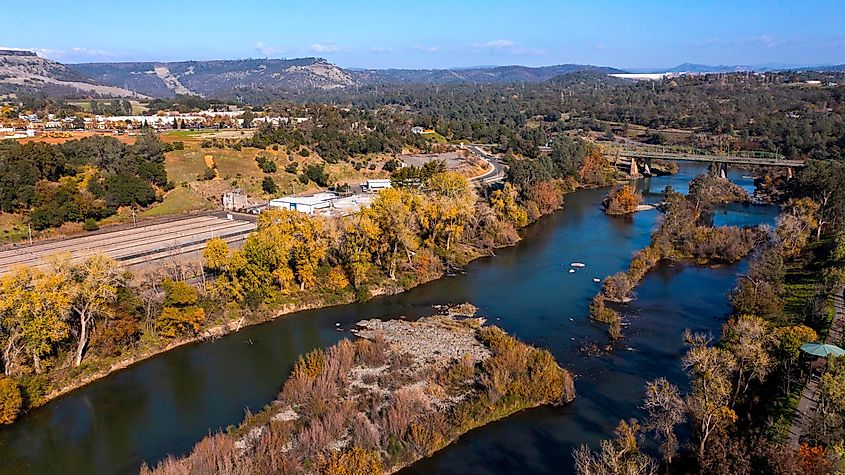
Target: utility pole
x=29, y=225
x=134, y=223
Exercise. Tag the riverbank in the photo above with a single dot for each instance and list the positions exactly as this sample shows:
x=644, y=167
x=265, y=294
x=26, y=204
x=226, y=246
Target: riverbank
x=225, y=319
x=400, y=392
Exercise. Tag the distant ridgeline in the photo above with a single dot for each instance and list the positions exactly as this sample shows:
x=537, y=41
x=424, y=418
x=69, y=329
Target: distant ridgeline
x=16, y=52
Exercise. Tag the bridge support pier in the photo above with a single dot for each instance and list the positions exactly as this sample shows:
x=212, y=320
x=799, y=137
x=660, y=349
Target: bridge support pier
x=719, y=169
x=647, y=167
x=789, y=172
x=634, y=170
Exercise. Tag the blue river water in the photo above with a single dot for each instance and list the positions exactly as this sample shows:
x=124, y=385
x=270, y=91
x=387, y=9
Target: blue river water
x=166, y=404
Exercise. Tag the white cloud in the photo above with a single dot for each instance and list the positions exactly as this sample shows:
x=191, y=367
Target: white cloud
x=322, y=48
x=761, y=40
x=505, y=47
x=425, y=49
x=495, y=45
x=270, y=50
x=380, y=50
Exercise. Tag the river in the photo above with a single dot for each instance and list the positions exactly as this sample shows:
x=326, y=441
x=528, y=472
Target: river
x=166, y=404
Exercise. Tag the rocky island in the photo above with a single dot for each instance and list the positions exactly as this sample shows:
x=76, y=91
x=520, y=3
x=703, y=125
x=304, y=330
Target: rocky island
x=399, y=392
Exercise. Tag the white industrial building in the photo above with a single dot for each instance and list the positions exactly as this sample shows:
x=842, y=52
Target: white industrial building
x=305, y=204
x=376, y=185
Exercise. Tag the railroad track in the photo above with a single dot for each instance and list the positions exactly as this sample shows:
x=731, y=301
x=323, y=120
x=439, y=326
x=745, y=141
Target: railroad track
x=132, y=246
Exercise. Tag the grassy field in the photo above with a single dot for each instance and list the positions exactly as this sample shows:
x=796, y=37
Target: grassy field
x=434, y=136
x=12, y=228
x=804, y=284
x=137, y=106
x=177, y=201
x=238, y=169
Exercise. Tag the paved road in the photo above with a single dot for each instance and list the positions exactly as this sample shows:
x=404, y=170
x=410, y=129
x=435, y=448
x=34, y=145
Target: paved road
x=497, y=174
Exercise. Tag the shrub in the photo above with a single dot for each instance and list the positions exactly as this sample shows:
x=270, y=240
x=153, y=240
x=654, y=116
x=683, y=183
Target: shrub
x=622, y=200
x=90, y=225
x=310, y=365
x=355, y=461
x=618, y=287
x=11, y=401
x=548, y=195
x=266, y=163
x=337, y=279
x=600, y=312
x=178, y=293
x=268, y=185
x=175, y=321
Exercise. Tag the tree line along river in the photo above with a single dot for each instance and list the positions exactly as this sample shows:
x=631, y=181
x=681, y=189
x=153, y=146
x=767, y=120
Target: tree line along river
x=166, y=404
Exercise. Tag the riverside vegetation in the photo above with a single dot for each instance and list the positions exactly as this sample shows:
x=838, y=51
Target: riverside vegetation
x=67, y=324
x=681, y=235
x=374, y=405
x=745, y=385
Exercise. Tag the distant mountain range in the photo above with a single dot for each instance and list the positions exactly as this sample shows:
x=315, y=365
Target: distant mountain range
x=23, y=72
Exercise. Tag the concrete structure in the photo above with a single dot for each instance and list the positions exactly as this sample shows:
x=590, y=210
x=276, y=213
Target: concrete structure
x=376, y=185
x=350, y=204
x=235, y=200
x=643, y=76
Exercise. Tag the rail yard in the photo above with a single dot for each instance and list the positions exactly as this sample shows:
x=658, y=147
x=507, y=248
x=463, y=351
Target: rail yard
x=135, y=246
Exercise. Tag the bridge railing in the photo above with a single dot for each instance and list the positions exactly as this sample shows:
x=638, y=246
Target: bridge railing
x=669, y=150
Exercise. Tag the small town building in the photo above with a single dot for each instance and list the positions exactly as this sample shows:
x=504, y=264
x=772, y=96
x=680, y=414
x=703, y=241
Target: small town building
x=376, y=185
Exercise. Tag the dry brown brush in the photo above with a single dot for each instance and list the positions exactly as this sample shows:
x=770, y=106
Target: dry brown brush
x=365, y=407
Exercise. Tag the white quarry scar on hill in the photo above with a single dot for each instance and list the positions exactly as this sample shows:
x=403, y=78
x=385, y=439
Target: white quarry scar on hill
x=172, y=82
x=333, y=76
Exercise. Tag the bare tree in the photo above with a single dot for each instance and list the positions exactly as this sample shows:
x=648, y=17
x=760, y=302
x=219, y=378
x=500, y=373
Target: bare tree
x=708, y=401
x=620, y=456
x=665, y=409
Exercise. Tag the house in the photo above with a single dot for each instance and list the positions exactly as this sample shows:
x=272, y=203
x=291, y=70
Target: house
x=305, y=204
x=417, y=130
x=374, y=186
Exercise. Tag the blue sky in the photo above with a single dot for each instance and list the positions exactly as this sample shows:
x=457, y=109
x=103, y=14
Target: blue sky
x=434, y=34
